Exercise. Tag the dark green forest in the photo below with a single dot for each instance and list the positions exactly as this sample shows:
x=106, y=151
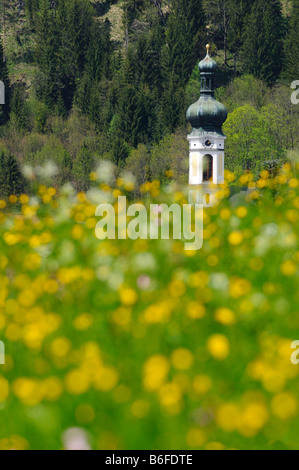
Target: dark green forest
x=92, y=80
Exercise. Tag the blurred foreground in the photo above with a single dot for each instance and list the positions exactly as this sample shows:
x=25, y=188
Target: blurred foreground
x=140, y=344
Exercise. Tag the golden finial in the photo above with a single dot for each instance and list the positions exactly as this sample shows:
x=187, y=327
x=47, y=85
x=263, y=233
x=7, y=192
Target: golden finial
x=208, y=48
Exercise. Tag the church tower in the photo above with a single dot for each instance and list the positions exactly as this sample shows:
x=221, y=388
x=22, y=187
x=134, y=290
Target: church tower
x=206, y=141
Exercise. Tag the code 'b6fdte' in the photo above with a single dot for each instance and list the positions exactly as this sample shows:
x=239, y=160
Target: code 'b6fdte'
x=2, y=93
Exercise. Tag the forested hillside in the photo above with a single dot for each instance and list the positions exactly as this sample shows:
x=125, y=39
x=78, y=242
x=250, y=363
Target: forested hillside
x=91, y=80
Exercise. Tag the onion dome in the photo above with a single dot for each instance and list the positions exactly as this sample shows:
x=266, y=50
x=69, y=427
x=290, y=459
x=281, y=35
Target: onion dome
x=207, y=115
x=207, y=65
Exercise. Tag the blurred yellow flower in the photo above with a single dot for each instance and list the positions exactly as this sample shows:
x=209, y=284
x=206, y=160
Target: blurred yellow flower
x=128, y=296
x=155, y=371
x=225, y=316
x=77, y=232
x=196, y=437
x=52, y=388
x=77, y=382
x=202, y=384
x=170, y=394
x=253, y=419
x=273, y=381
x=218, y=346
x=241, y=212
x=13, y=199
x=140, y=408
x=288, y=268
x=83, y=322
x=239, y=287
x=225, y=214
x=228, y=416
x=195, y=310
x=158, y=313
x=199, y=279
x=122, y=316
x=182, y=359
x=60, y=347
x=235, y=238
x=284, y=406
x=28, y=391
x=177, y=288
x=51, y=286
x=32, y=261
x=106, y=379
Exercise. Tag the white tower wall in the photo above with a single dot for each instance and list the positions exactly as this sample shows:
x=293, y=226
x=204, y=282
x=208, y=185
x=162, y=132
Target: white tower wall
x=197, y=151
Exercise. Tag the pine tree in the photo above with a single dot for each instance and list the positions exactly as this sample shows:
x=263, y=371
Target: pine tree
x=32, y=7
x=185, y=38
x=147, y=58
x=19, y=111
x=47, y=45
x=62, y=40
x=82, y=97
x=74, y=22
x=11, y=178
x=291, y=55
x=263, y=41
x=83, y=166
x=173, y=105
x=185, y=43
x=99, y=52
x=238, y=11
x=130, y=114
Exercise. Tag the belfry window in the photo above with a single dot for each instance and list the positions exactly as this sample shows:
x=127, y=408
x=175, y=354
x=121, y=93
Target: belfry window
x=207, y=168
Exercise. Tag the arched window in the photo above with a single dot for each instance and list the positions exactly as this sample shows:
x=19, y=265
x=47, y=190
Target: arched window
x=207, y=168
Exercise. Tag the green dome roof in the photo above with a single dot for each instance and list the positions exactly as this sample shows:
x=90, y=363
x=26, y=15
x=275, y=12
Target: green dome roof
x=207, y=65
x=207, y=114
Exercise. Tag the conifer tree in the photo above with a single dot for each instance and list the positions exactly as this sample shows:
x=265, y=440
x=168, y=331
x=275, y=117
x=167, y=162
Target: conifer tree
x=291, y=54
x=185, y=38
x=173, y=105
x=185, y=43
x=263, y=41
x=74, y=22
x=99, y=52
x=83, y=166
x=32, y=7
x=11, y=178
x=19, y=111
x=47, y=45
x=147, y=60
x=82, y=97
x=238, y=11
